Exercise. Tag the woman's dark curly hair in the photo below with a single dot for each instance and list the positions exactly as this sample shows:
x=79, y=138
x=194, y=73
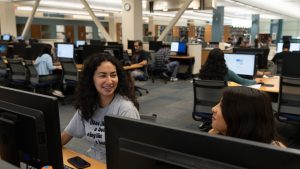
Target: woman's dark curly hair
x=215, y=67
x=87, y=97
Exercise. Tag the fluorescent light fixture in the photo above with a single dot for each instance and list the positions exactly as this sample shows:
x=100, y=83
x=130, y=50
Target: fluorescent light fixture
x=62, y=4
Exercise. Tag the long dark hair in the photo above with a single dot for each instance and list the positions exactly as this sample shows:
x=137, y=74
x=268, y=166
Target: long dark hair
x=87, y=97
x=215, y=67
x=248, y=114
x=46, y=50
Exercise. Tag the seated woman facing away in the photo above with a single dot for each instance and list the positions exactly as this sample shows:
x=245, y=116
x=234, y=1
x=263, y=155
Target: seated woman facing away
x=215, y=69
x=245, y=113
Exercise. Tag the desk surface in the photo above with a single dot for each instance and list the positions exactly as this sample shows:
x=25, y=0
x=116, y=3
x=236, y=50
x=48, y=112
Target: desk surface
x=95, y=164
x=182, y=57
x=133, y=66
x=272, y=80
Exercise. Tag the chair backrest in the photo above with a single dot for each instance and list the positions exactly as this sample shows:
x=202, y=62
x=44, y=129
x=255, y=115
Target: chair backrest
x=159, y=63
x=18, y=70
x=70, y=71
x=207, y=93
x=289, y=100
x=290, y=65
x=33, y=74
x=3, y=68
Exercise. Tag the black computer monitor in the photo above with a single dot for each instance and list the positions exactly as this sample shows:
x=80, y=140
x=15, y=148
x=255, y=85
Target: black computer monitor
x=137, y=144
x=29, y=129
x=20, y=49
x=36, y=50
x=130, y=45
x=97, y=42
x=3, y=49
x=6, y=37
x=65, y=50
x=117, y=51
x=242, y=64
x=155, y=45
x=113, y=43
x=261, y=54
x=88, y=50
x=290, y=66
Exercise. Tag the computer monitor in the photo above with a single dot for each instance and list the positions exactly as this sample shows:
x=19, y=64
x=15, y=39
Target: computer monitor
x=174, y=46
x=29, y=129
x=88, y=50
x=36, y=50
x=155, y=45
x=290, y=66
x=3, y=49
x=65, y=50
x=113, y=43
x=6, y=37
x=293, y=47
x=241, y=64
x=80, y=43
x=261, y=55
x=179, y=47
x=117, y=51
x=137, y=144
x=130, y=45
x=97, y=42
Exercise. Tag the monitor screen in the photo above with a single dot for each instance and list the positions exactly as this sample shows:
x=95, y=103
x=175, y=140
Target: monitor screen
x=293, y=47
x=3, y=49
x=174, y=46
x=6, y=37
x=130, y=45
x=138, y=144
x=182, y=47
x=241, y=64
x=97, y=42
x=80, y=43
x=29, y=129
x=88, y=50
x=261, y=55
x=155, y=45
x=65, y=50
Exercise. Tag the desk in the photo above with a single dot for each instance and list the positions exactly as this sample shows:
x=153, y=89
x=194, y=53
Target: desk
x=95, y=164
x=272, y=80
x=133, y=66
x=186, y=65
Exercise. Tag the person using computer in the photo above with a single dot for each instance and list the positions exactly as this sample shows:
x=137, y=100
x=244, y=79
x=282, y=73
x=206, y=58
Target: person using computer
x=278, y=57
x=172, y=66
x=44, y=66
x=215, y=68
x=139, y=57
x=245, y=113
x=104, y=89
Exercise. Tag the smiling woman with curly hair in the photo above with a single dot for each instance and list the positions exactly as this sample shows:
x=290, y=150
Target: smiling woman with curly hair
x=103, y=89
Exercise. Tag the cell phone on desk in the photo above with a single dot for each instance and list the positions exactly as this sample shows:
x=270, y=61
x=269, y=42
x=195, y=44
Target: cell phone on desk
x=78, y=162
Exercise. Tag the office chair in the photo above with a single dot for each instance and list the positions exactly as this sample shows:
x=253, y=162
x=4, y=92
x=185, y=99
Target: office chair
x=4, y=72
x=207, y=93
x=35, y=80
x=158, y=67
x=289, y=100
x=19, y=73
x=145, y=77
x=70, y=74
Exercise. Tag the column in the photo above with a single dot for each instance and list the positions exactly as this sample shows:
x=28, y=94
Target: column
x=112, y=27
x=218, y=24
x=151, y=27
x=276, y=29
x=8, y=19
x=254, y=27
x=132, y=21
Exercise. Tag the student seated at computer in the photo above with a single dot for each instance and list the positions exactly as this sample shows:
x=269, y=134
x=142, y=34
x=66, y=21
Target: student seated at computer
x=104, y=89
x=44, y=66
x=245, y=113
x=278, y=58
x=172, y=66
x=215, y=69
x=139, y=57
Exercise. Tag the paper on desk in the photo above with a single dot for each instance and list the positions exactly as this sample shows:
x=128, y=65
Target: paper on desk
x=255, y=86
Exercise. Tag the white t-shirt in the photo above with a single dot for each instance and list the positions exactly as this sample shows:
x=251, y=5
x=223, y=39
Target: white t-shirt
x=93, y=129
